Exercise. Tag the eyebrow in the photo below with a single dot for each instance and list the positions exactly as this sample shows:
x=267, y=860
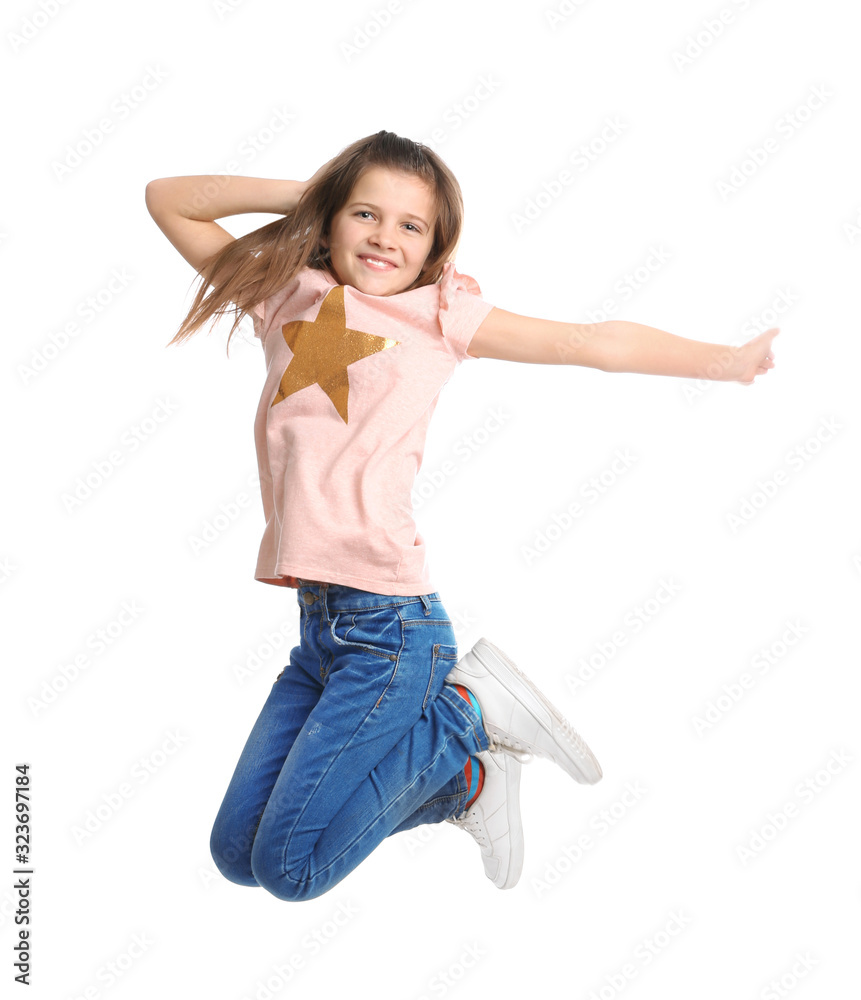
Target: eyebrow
x=376, y=208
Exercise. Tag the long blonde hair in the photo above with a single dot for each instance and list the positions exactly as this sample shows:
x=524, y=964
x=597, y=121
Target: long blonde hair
x=253, y=267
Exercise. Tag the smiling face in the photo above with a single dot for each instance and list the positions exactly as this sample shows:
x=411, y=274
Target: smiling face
x=381, y=238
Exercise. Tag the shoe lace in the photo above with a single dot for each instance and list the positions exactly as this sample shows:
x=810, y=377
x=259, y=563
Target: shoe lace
x=472, y=825
x=514, y=748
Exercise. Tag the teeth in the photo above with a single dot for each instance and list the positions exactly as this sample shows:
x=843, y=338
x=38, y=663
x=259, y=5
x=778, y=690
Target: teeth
x=376, y=263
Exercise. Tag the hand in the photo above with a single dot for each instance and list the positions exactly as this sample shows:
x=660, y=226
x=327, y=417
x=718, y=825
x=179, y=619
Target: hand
x=752, y=359
x=316, y=176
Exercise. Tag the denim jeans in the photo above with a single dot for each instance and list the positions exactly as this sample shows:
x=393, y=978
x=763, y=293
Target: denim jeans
x=359, y=738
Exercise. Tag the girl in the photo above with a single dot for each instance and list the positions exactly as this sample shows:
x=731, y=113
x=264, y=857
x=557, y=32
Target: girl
x=375, y=725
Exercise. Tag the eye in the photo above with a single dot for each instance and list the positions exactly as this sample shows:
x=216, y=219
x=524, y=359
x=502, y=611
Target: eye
x=364, y=211
x=415, y=229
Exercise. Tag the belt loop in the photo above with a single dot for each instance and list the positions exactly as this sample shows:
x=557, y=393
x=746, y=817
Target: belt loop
x=427, y=604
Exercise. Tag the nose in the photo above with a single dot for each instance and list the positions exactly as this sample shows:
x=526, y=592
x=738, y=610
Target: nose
x=383, y=236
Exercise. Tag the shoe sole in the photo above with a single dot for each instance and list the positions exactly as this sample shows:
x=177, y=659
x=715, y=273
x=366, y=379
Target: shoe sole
x=574, y=755
x=513, y=769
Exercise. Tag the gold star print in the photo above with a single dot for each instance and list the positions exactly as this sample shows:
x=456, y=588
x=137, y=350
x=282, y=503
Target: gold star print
x=322, y=350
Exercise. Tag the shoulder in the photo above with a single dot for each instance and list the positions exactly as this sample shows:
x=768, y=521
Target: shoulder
x=307, y=279
x=461, y=310
x=453, y=285
x=307, y=286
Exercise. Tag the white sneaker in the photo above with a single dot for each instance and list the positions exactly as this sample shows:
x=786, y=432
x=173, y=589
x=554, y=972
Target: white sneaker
x=493, y=820
x=517, y=717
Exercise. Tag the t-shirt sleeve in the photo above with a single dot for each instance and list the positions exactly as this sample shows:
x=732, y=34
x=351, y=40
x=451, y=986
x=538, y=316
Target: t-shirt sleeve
x=266, y=313
x=461, y=310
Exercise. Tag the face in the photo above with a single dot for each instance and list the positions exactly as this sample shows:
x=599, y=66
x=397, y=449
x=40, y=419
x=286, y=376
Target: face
x=380, y=239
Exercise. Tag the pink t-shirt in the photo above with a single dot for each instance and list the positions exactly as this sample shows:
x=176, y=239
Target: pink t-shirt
x=352, y=381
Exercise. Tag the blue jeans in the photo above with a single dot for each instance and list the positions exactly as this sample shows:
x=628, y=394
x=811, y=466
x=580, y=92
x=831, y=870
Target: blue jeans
x=359, y=738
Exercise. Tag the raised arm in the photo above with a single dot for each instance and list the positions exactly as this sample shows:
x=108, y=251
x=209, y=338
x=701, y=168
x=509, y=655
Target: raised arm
x=184, y=208
x=619, y=346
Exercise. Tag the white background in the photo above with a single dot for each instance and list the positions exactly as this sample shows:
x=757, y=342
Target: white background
x=514, y=93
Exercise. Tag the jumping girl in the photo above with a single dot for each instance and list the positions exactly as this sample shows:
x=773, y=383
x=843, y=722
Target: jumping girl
x=375, y=725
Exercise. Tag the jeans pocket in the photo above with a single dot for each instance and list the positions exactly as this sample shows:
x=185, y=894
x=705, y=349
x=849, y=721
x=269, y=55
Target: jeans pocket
x=377, y=630
x=444, y=659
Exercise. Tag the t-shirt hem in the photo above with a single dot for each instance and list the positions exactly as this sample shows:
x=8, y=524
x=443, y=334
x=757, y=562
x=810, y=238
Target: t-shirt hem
x=285, y=574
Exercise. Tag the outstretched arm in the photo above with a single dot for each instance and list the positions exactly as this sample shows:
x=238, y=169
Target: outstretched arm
x=653, y=352
x=619, y=346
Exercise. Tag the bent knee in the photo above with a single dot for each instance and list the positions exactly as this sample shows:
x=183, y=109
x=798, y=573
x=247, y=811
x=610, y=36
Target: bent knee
x=294, y=883
x=231, y=853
